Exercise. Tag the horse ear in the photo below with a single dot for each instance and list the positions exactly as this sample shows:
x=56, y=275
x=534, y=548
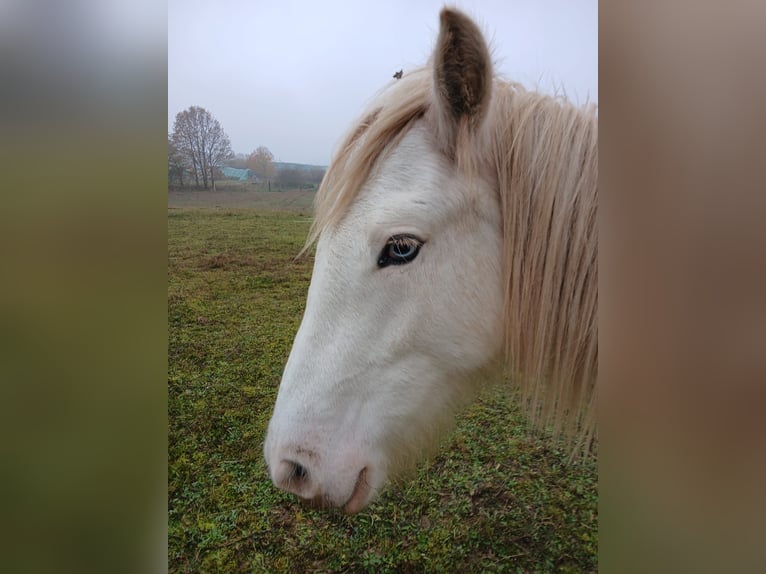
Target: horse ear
x=462, y=77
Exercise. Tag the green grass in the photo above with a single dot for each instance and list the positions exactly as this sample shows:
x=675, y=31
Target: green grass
x=240, y=195
x=495, y=498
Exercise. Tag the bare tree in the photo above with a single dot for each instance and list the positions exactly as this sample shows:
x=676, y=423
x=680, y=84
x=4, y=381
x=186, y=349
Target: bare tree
x=177, y=165
x=261, y=162
x=200, y=139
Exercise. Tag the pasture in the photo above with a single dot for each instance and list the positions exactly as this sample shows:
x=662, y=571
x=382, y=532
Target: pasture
x=494, y=499
x=234, y=194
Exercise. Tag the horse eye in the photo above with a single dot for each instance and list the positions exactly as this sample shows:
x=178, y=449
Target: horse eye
x=399, y=249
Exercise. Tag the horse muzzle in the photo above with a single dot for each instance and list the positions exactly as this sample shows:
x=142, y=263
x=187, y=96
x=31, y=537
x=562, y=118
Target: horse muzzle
x=346, y=485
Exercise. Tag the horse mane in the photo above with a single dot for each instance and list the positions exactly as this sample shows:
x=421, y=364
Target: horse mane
x=542, y=153
x=545, y=157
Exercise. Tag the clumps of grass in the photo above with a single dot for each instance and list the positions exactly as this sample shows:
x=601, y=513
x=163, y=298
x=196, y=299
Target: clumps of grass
x=495, y=499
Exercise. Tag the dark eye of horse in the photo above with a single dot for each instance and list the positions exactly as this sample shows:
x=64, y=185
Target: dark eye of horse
x=399, y=249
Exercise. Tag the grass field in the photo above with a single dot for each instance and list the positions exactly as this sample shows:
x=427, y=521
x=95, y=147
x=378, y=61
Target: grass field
x=298, y=202
x=238, y=195
x=495, y=498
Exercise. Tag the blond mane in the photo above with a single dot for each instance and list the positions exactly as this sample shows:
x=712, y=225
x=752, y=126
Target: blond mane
x=541, y=152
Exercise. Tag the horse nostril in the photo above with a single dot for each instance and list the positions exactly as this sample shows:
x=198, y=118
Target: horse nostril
x=299, y=472
x=296, y=478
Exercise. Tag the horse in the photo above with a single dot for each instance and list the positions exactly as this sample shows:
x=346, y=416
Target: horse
x=455, y=237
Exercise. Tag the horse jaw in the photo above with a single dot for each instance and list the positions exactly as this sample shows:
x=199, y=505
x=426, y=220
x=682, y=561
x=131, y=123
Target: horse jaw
x=384, y=356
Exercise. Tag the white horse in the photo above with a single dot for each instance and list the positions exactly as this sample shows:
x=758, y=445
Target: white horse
x=455, y=235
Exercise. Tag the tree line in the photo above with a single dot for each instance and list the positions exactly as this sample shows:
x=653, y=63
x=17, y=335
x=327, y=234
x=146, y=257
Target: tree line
x=198, y=147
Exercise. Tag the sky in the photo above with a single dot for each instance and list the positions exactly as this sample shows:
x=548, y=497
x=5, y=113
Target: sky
x=293, y=75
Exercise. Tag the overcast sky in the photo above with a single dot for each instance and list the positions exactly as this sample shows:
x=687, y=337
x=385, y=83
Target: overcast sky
x=292, y=75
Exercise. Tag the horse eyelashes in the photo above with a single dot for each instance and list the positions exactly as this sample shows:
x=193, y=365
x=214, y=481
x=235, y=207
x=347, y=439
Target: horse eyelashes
x=399, y=250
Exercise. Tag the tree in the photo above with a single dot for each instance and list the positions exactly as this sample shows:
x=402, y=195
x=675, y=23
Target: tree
x=201, y=142
x=261, y=162
x=299, y=177
x=177, y=165
x=239, y=160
